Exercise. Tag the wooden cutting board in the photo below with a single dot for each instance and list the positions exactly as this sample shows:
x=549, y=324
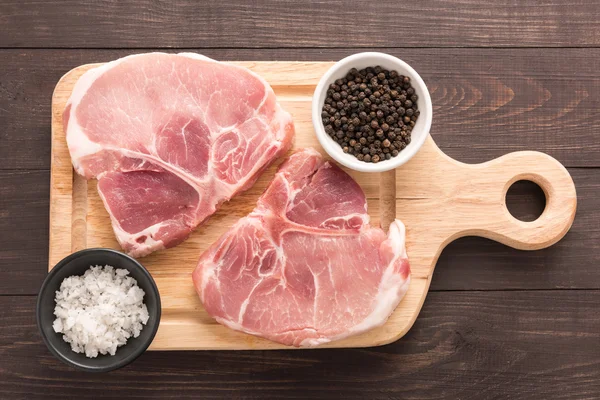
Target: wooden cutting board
x=439, y=199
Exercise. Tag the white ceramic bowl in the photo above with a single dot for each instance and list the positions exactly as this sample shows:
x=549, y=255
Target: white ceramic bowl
x=360, y=61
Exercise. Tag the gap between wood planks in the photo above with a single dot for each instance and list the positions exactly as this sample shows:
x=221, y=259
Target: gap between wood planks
x=186, y=48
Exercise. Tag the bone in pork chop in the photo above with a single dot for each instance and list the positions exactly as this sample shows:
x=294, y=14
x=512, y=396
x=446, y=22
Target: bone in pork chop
x=305, y=268
x=170, y=137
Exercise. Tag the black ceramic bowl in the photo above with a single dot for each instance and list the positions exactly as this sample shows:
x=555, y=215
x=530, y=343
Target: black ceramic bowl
x=77, y=264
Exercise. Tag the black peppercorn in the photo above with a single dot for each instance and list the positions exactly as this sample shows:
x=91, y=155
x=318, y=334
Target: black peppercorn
x=370, y=113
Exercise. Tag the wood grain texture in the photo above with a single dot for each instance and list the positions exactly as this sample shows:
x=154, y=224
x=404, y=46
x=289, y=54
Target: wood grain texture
x=272, y=23
x=487, y=102
x=439, y=199
x=470, y=345
x=23, y=230
x=464, y=345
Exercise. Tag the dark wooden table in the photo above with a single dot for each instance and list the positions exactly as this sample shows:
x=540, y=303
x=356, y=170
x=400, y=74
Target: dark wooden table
x=498, y=323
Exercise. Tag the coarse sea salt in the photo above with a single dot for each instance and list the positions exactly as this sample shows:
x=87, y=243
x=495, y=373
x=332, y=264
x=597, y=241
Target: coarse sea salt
x=99, y=311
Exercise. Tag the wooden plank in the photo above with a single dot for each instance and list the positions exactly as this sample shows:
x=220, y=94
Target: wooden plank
x=23, y=230
x=487, y=102
x=467, y=264
x=272, y=23
x=484, y=345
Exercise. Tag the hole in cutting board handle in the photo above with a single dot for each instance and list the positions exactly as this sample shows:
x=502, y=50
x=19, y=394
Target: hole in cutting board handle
x=525, y=200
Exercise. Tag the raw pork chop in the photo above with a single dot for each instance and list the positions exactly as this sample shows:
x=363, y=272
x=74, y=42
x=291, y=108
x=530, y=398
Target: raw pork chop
x=170, y=137
x=305, y=268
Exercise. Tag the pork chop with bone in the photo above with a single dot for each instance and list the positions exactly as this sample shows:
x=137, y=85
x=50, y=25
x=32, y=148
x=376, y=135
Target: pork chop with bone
x=305, y=267
x=169, y=137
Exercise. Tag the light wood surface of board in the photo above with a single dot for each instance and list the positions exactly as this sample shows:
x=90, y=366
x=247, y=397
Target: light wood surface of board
x=439, y=200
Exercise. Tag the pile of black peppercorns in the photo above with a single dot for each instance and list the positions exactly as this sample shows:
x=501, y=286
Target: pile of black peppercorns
x=371, y=113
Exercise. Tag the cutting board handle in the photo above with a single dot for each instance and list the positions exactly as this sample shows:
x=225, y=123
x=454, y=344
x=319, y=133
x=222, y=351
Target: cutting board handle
x=487, y=185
